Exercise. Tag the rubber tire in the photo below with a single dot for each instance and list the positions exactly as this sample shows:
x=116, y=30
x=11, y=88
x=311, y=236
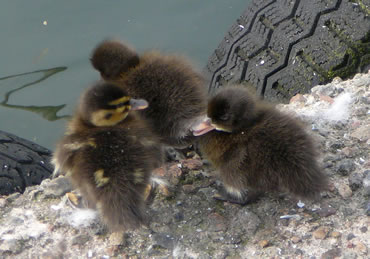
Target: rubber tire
x=22, y=163
x=285, y=47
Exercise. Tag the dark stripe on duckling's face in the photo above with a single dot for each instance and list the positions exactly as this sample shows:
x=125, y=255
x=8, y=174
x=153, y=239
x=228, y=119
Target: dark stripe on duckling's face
x=116, y=111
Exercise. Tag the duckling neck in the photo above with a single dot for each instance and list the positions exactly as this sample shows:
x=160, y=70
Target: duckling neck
x=77, y=125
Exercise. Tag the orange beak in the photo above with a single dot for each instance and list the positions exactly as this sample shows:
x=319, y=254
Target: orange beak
x=203, y=127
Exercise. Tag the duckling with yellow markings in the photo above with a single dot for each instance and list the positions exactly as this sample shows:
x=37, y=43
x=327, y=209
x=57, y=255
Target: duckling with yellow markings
x=103, y=155
x=175, y=91
x=255, y=147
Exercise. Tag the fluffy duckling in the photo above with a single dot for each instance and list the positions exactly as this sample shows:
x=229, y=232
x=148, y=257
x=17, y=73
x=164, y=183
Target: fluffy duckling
x=175, y=92
x=256, y=147
x=108, y=153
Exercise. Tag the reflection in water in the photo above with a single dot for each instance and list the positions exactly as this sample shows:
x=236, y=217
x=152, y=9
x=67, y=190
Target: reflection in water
x=47, y=112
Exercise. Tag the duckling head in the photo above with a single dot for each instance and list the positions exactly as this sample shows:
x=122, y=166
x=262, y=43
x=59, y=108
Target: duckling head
x=230, y=110
x=112, y=59
x=106, y=104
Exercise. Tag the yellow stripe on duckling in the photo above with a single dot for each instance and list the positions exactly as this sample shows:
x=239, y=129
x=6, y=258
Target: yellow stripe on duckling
x=120, y=100
x=100, y=180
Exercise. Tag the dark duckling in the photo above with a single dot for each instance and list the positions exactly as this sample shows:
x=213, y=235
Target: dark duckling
x=175, y=91
x=256, y=147
x=108, y=153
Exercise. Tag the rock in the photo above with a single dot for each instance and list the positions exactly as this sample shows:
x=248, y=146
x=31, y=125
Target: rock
x=355, y=181
x=344, y=190
x=365, y=100
x=171, y=172
x=189, y=188
x=296, y=239
x=363, y=229
x=244, y=222
x=2, y=202
x=80, y=239
x=216, y=222
x=263, y=243
x=163, y=240
x=298, y=98
x=327, y=99
x=367, y=209
x=179, y=216
x=326, y=211
x=192, y=164
x=56, y=187
x=362, y=133
x=348, y=152
x=335, y=234
x=321, y=232
x=361, y=247
x=350, y=236
x=116, y=238
x=11, y=245
x=366, y=184
x=12, y=197
x=345, y=167
x=332, y=253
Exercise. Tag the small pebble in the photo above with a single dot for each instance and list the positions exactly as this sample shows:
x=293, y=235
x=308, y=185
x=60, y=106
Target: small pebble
x=332, y=253
x=263, y=243
x=355, y=181
x=345, y=167
x=350, y=236
x=344, y=191
x=361, y=247
x=296, y=239
x=335, y=234
x=320, y=233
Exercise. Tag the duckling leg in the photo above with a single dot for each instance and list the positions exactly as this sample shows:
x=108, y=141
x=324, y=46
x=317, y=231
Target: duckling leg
x=242, y=197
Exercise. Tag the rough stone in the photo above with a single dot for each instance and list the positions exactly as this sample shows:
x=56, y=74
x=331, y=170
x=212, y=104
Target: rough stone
x=12, y=246
x=332, y=253
x=366, y=184
x=296, y=239
x=326, y=211
x=345, y=167
x=362, y=133
x=298, y=98
x=80, y=239
x=335, y=234
x=57, y=187
x=355, y=181
x=263, y=243
x=163, y=240
x=321, y=233
x=192, y=164
x=344, y=190
x=216, y=222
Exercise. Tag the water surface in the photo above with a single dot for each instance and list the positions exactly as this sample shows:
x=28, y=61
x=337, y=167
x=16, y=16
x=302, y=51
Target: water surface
x=45, y=48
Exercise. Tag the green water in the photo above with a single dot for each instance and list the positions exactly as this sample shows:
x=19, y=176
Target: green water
x=45, y=48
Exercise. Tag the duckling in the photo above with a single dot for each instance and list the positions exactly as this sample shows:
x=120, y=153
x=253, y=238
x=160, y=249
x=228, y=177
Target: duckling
x=108, y=153
x=257, y=148
x=175, y=92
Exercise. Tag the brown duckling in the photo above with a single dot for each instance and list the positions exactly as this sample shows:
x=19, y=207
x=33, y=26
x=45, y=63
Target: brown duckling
x=256, y=147
x=175, y=92
x=108, y=153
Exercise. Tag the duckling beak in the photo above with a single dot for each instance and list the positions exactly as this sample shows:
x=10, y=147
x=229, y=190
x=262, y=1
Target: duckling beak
x=138, y=104
x=203, y=127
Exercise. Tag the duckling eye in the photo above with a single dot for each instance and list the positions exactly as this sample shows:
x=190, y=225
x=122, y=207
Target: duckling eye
x=108, y=116
x=224, y=117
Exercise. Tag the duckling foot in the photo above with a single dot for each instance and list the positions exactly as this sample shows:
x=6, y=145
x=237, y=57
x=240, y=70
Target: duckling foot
x=245, y=197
